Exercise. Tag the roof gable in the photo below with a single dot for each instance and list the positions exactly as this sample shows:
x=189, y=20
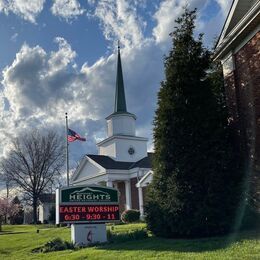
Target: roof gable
x=87, y=168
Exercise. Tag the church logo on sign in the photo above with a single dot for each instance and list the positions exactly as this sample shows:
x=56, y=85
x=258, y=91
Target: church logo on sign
x=89, y=194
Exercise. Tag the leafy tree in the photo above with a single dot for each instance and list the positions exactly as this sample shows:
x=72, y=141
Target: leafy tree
x=33, y=163
x=196, y=187
x=7, y=210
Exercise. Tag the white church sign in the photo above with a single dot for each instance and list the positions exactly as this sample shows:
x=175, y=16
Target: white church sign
x=87, y=208
x=87, y=204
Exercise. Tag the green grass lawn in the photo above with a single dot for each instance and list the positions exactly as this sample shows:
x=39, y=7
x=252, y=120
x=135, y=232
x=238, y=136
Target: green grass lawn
x=16, y=242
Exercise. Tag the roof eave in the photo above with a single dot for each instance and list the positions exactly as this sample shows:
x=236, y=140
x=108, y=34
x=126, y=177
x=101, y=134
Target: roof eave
x=122, y=137
x=120, y=114
x=249, y=21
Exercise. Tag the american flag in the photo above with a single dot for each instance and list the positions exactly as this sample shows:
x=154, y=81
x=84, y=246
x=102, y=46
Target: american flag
x=73, y=136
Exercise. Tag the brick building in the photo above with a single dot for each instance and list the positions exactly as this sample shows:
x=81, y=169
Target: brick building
x=238, y=48
x=122, y=159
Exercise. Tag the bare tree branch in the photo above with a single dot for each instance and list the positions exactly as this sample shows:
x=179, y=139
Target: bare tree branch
x=34, y=163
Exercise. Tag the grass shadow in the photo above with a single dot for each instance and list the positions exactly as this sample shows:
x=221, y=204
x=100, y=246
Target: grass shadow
x=4, y=252
x=2, y=233
x=182, y=245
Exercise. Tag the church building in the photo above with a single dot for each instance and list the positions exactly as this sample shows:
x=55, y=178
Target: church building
x=238, y=49
x=122, y=161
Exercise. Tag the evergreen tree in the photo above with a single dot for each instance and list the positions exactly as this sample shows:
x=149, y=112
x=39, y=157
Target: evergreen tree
x=196, y=187
x=18, y=217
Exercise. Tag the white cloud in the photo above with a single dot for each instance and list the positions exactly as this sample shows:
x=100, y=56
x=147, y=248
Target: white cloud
x=224, y=5
x=26, y=9
x=165, y=16
x=40, y=86
x=212, y=27
x=67, y=9
x=65, y=55
x=36, y=80
x=14, y=37
x=120, y=21
x=167, y=13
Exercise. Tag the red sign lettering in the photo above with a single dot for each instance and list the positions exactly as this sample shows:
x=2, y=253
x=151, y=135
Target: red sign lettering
x=90, y=213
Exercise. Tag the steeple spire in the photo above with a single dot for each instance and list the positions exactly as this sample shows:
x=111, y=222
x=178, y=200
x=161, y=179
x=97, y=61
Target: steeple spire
x=120, y=103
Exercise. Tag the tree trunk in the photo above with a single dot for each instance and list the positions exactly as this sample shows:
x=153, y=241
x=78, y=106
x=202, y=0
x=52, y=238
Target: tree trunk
x=7, y=189
x=34, y=210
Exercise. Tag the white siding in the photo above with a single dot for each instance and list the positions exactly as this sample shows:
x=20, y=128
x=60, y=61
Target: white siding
x=44, y=211
x=121, y=125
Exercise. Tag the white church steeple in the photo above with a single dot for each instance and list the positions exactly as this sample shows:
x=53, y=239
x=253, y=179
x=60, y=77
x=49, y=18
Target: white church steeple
x=122, y=143
x=120, y=122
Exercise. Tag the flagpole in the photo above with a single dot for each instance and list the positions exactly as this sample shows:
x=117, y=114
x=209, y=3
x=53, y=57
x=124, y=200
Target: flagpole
x=67, y=148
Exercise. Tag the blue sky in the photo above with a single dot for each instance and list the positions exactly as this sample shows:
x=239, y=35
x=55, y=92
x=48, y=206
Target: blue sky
x=60, y=56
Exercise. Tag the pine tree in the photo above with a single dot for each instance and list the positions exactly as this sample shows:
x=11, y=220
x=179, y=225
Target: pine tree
x=17, y=218
x=196, y=187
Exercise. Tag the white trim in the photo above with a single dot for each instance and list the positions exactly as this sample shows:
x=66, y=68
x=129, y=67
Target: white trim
x=109, y=183
x=137, y=175
x=128, y=197
x=96, y=164
x=104, y=177
x=227, y=22
x=115, y=171
x=126, y=137
x=91, y=178
x=139, y=184
x=244, y=21
x=85, y=160
x=78, y=169
x=226, y=41
x=130, y=171
x=118, y=177
x=228, y=64
x=223, y=60
x=121, y=114
x=133, y=170
x=126, y=174
x=141, y=202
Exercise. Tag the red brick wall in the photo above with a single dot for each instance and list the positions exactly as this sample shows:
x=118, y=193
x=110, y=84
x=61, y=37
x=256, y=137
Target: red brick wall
x=247, y=80
x=122, y=197
x=231, y=96
x=134, y=194
x=243, y=95
x=122, y=200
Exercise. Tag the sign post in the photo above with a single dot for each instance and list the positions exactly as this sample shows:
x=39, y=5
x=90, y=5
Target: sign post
x=87, y=208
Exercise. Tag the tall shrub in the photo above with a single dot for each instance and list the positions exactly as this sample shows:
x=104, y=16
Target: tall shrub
x=196, y=188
